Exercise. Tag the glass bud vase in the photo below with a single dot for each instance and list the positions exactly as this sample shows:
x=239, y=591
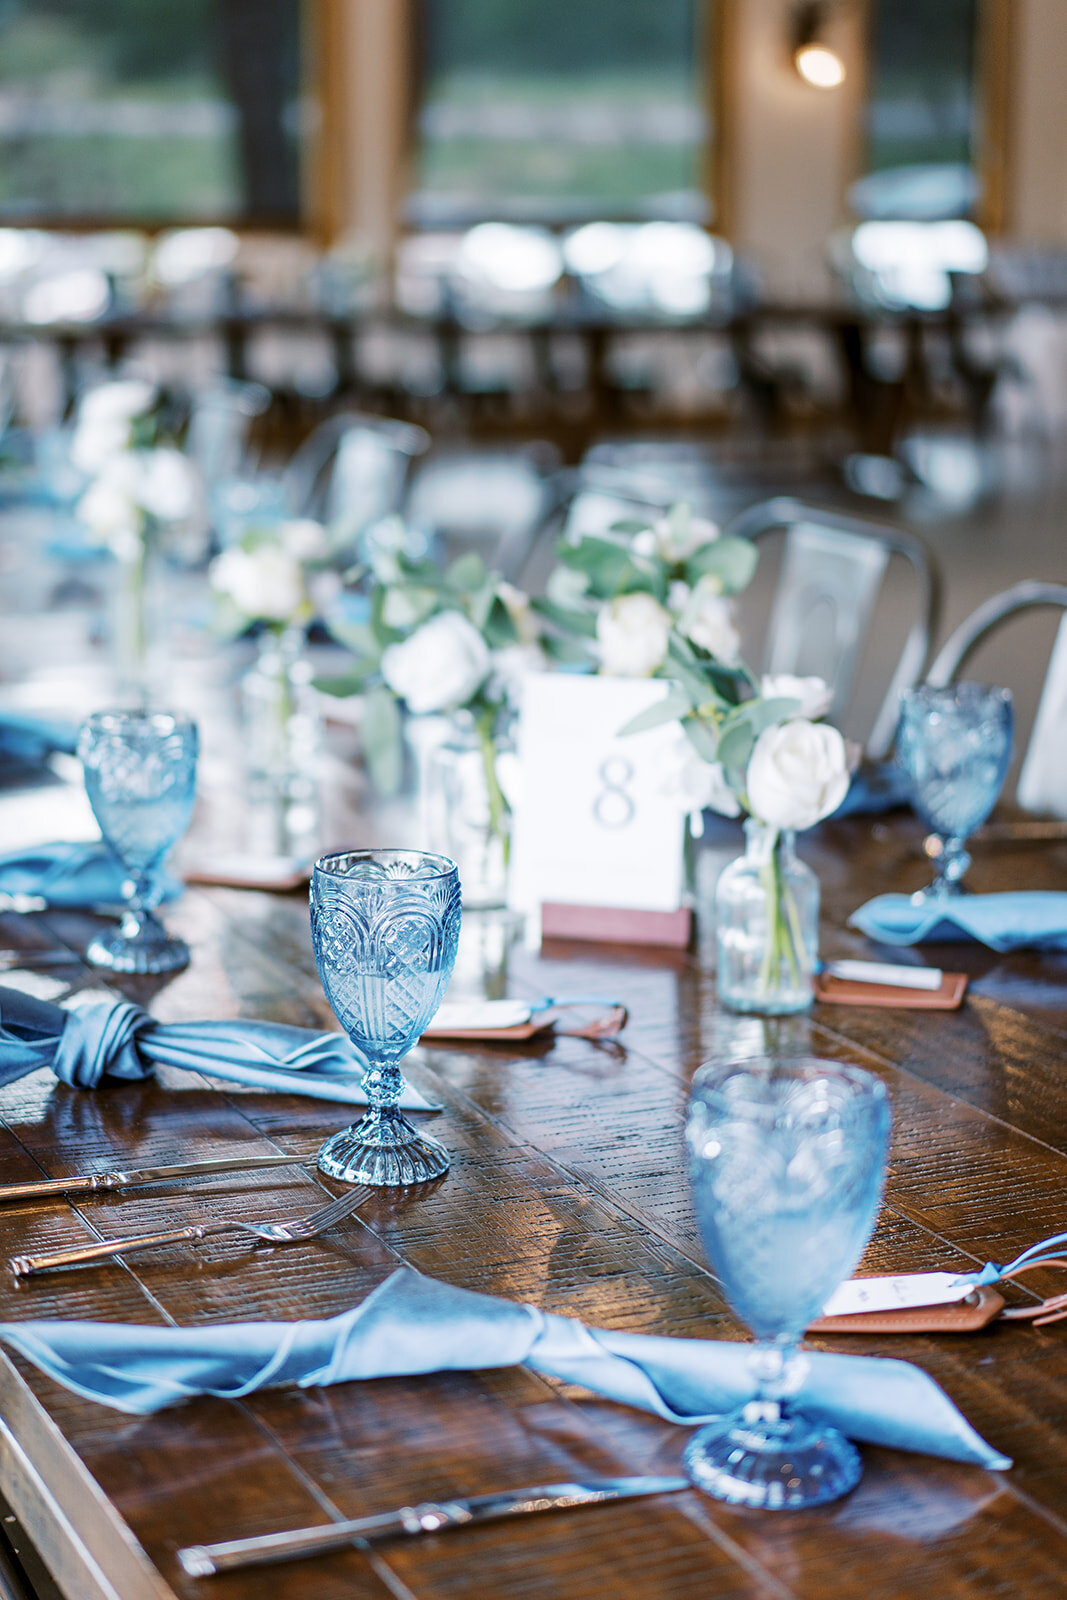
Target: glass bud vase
x=282, y=725
x=138, y=624
x=465, y=811
x=767, y=926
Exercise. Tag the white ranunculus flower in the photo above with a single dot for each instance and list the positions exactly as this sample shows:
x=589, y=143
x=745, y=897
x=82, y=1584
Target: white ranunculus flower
x=708, y=620
x=696, y=784
x=120, y=401
x=632, y=633
x=815, y=694
x=680, y=535
x=644, y=543
x=266, y=584
x=440, y=666
x=797, y=774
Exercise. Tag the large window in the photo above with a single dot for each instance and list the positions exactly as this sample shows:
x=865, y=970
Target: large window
x=923, y=109
x=142, y=110
x=560, y=109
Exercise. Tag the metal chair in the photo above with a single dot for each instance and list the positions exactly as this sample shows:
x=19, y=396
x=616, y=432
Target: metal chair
x=220, y=419
x=492, y=501
x=832, y=571
x=351, y=471
x=1042, y=784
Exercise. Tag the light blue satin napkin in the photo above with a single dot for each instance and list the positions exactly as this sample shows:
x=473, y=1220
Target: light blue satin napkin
x=107, y=1041
x=1017, y=919
x=29, y=739
x=413, y=1324
x=71, y=875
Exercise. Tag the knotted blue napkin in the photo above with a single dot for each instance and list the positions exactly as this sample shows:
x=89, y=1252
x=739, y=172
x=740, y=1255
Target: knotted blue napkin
x=71, y=875
x=876, y=787
x=413, y=1324
x=107, y=1041
x=1014, y=920
x=29, y=739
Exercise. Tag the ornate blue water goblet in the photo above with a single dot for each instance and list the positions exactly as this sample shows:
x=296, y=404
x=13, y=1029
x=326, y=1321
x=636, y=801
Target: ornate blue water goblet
x=385, y=929
x=954, y=742
x=787, y=1164
x=140, y=776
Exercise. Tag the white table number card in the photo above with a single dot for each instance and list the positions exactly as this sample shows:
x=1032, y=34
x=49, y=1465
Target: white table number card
x=594, y=825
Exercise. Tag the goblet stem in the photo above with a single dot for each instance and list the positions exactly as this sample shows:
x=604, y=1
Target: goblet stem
x=383, y=1148
x=778, y=1368
x=951, y=861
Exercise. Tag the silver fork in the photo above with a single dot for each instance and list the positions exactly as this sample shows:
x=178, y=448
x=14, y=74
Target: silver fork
x=292, y=1232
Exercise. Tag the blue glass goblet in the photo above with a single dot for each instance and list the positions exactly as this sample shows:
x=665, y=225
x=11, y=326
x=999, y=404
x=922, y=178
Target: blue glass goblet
x=787, y=1165
x=955, y=745
x=385, y=928
x=140, y=776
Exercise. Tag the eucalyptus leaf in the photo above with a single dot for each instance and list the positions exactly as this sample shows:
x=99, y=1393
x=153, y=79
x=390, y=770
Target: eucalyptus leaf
x=735, y=745
x=567, y=651
x=383, y=746
x=497, y=625
x=582, y=623
x=347, y=684
x=732, y=561
x=630, y=526
x=705, y=740
x=467, y=573
x=674, y=705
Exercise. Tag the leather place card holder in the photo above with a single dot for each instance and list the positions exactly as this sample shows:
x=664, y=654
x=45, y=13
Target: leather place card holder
x=961, y=1316
x=617, y=925
x=525, y=1030
x=845, y=992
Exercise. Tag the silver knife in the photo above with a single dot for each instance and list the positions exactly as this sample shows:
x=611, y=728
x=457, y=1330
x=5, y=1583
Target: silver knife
x=95, y=1181
x=203, y=1560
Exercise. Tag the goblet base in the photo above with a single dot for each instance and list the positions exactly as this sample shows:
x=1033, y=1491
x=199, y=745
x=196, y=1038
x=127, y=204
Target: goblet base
x=383, y=1150
x=119, y=953
x=772, y=1459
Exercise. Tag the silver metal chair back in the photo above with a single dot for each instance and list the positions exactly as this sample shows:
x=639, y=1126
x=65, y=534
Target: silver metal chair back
x=490, y=501
x=351, y=471
x=1042, y=784
x=831, y=575
x=220, y=418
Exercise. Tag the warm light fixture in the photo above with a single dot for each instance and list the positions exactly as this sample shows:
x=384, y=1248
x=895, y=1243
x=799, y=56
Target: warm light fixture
x=815, y=60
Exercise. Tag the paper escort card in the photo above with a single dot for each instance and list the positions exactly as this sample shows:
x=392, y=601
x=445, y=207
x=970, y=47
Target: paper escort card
x=594, y=823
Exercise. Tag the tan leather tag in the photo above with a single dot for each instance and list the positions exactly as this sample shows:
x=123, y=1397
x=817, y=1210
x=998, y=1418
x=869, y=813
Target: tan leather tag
x=962, y=1316
x=844, y=992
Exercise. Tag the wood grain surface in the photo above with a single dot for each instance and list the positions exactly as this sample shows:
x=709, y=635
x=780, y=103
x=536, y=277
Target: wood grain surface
x=567, y=1190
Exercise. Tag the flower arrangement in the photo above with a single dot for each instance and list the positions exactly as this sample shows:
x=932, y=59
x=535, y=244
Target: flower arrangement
x=270, y=577
x=621, y=597
x=435, y=641
x=137, y=485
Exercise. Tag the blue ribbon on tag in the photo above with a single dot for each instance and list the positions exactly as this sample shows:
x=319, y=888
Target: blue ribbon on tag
x=1035, y=1256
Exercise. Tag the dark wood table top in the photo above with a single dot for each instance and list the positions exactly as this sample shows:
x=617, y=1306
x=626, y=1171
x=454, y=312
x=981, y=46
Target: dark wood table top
x=568, y=1191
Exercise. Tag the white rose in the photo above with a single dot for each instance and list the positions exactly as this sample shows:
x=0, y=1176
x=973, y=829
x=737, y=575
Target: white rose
x=632, y=633
x=694, y=783
x=167, y=483
x=510, y=667
x=304, y=539
x=265, y=583
x=120, y=401
x=112, y=517
x=797, y=774
x=440, y=666
x=815, y=694
x=94, y=444
x=678, y=594
x=679, y=534
x=708, y=620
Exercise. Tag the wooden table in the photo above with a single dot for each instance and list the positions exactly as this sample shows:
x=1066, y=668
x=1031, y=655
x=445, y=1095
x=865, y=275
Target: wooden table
x=568, y=1191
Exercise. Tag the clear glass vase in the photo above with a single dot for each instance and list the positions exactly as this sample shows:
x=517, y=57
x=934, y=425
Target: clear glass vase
x=465, y=812
x=281, y=717
x=138, y=624
x=767, y=926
